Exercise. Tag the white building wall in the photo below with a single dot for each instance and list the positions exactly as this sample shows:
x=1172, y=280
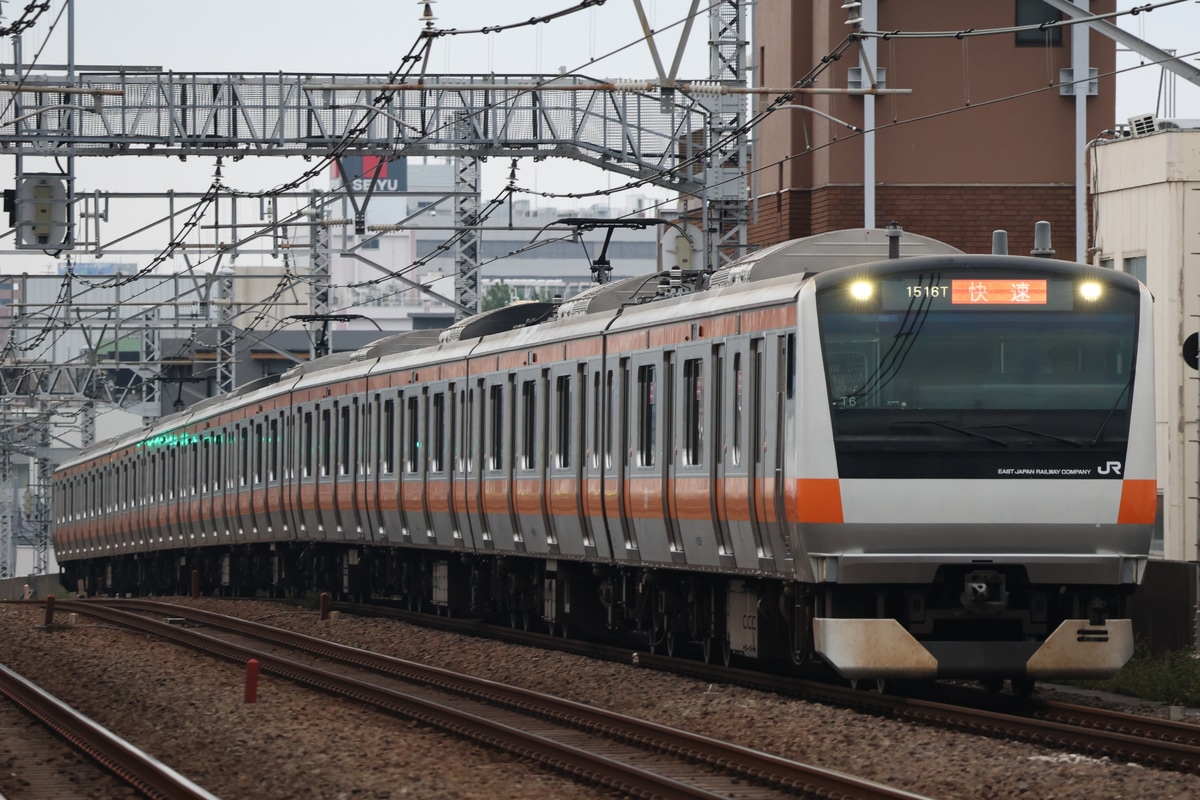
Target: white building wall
x=1146, y=195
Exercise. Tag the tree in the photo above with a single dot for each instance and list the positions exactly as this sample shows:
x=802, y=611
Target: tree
x=498, y=295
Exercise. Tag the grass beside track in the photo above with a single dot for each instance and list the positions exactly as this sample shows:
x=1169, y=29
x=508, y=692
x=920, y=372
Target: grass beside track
x=1172, y=678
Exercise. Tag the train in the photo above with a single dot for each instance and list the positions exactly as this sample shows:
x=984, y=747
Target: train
x=939, y=465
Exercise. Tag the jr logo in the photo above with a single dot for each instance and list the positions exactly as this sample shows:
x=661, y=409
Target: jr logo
x=1110, y=467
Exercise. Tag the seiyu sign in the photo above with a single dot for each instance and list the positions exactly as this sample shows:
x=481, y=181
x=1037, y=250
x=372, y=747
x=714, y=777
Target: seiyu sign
x=359, y=171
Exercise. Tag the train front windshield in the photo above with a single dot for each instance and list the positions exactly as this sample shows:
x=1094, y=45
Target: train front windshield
x=982, y=364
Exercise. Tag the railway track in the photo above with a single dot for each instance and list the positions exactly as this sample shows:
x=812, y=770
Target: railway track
x=1081, y=729
x=113, y=760
x=621, y=753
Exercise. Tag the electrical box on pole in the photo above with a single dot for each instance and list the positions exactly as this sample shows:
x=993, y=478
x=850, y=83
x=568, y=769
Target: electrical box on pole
x=42, y=212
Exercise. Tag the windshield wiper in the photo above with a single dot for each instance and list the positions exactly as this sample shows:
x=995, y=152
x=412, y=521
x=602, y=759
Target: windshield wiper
x=1043, y=434
x=957, y=429
x=1104, y=423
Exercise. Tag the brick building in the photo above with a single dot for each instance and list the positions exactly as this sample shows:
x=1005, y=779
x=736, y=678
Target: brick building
x=986, y=139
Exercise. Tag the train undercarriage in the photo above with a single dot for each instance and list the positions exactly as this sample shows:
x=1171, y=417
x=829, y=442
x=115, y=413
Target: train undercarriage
x=970, y=623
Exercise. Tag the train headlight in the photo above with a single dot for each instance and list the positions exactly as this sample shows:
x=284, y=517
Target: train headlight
x=861, y=290
x=1090, y=291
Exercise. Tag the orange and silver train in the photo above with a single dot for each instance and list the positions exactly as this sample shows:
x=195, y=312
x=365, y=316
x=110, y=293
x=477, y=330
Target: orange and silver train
x=930, y=466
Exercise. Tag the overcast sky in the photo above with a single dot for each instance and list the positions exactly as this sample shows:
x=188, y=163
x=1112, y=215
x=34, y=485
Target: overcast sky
x=372, y=36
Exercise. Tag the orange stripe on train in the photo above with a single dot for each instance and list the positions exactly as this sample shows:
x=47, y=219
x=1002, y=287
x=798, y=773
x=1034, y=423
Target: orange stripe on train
x=1139, y=502
x=818, y=500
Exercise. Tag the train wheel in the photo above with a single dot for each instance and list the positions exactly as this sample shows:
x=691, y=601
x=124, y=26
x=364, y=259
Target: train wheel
x=671, y=642
x=706, y=647
x=726, y=653
x=1023, y=688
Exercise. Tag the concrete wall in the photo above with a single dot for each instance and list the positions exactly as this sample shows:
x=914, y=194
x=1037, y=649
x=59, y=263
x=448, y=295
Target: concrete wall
x=1146, y=201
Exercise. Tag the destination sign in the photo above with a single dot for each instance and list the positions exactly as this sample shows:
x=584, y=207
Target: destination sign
x=921, y=292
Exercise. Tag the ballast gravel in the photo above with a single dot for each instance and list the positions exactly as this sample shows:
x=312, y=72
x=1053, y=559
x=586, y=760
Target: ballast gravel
x=188, y=710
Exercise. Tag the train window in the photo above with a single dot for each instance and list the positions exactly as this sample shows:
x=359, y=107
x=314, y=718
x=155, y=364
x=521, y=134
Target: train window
x=244, y=454
x=458, y=418
x=756, y=409
x=306, y=444
x=790, y=364
x=496, y=429
x=325, y=442
x=647, y=406
x=258, y=452
x=205, y=466
x=413, y=441
x=737, y=409
x=693, y=411
x=369, y=448
x=610, y=407
x=437, y=433
x=389, y=436
x=273, y=451
x=343, y=434
x=596, y=420
x=529, y=425
x=562, y=444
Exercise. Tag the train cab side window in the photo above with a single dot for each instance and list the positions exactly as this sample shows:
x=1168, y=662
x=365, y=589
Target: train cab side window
x=693, y=411
x=789, y=355
x=647, y=402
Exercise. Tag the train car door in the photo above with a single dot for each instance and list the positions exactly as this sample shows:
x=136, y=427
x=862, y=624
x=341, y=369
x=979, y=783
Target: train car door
x=369, y=465
x=568, y=425
x=389, y=468
x=462, y=463
x=767, y=384
x=737, y=487
x=343, y=469
x=325, y=470
x=649, y=468
x=690, y=500
x=256, y=527
x=596, y=460
x=529, y=471
x=618, y=454
x=497, y=492
x=439, y=472
x=412, y=499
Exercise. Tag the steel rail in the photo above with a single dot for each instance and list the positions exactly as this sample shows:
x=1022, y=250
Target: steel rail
x=764, y=769
x=112, y=753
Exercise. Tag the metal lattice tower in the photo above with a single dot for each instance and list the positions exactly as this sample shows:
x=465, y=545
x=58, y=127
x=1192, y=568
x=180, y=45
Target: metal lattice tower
x=8, y=508
x=39, y=516
x=226, y=306
x=726, y=210
x=320, y=277
x=466, y=246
